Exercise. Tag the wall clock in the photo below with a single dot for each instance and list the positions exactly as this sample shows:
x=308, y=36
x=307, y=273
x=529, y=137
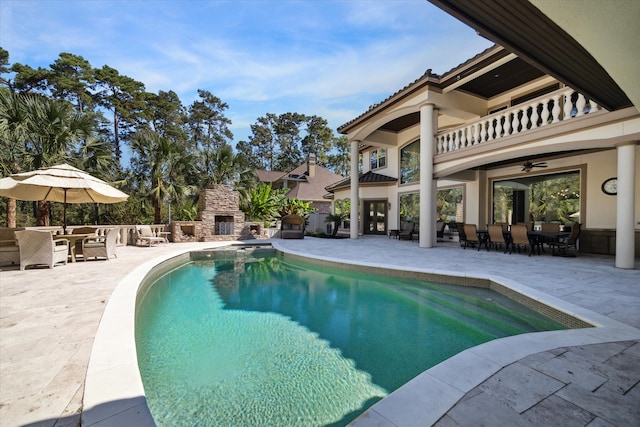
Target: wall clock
x=610, y=186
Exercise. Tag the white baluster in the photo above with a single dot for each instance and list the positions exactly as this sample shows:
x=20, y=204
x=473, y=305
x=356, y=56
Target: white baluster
x=490, y=130
x=507, y=124
x=499, y=126
x=483, y=133
x=476, y=133
x=524, y=121
x=580, y=104
x=463, y=137
x=515, y=123
x=555, y=112
x=594, y=106
x=568, y=106
x=544, y=117
x=534, y=115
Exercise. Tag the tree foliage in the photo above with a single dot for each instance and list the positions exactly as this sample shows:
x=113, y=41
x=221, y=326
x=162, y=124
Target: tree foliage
x=155, y=148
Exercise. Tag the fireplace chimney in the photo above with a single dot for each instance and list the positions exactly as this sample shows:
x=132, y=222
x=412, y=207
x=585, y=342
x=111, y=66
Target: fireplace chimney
x=311, y=166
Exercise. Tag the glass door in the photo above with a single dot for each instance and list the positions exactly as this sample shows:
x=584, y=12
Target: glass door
x=375, y=217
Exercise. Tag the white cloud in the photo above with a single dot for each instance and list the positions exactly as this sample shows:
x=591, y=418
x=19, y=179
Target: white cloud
x=329, y=58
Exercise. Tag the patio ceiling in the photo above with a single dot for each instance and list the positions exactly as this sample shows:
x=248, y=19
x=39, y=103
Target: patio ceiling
x=524, y=30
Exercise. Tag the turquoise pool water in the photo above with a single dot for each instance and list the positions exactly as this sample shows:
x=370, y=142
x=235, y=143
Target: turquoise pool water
x=260, y=340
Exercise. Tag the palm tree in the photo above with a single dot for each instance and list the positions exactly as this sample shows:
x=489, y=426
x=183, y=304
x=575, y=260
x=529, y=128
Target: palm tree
x=40, y=132
x=162, y=166
x=12, y=132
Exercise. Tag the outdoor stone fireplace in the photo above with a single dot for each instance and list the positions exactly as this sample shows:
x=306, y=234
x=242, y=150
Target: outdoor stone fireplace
x=220, y=218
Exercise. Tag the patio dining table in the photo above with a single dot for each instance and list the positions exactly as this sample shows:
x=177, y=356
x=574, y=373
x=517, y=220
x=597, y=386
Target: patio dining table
x=73, y=238
x=539, y=238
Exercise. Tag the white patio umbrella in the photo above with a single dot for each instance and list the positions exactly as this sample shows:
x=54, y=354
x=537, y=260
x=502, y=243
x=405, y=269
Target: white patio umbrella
x=60, y=183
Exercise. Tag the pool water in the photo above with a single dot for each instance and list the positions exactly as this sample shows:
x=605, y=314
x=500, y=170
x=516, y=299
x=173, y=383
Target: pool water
x=260, y=340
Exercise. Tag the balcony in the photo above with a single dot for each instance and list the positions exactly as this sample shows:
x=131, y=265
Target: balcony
x=559, y=106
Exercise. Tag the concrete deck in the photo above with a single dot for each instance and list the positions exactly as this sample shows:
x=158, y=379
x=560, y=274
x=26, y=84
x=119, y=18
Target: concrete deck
x=49, y=319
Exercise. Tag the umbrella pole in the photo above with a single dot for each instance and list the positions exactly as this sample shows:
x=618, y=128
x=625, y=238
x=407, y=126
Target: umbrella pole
x=64, y=213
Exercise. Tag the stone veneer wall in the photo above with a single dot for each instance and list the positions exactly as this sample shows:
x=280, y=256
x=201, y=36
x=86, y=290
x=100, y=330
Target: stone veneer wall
x=220, y=201
x=216, y=201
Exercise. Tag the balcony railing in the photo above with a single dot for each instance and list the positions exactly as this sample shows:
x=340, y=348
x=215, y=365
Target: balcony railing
x=555, y=107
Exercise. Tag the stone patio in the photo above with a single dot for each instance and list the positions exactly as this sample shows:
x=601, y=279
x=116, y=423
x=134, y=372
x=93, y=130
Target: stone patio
x=49, y=318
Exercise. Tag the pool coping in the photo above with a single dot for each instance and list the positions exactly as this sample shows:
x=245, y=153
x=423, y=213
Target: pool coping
x=114, y=394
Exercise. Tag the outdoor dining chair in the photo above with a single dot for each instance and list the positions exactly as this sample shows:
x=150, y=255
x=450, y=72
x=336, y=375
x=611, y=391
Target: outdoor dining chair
x=496, y=237
x=520, y=237
x=471, y=236
x=98, y=246
x=39, y=248
x=563, y=244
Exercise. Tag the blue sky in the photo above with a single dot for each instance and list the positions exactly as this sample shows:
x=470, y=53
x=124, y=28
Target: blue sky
x=318, y=57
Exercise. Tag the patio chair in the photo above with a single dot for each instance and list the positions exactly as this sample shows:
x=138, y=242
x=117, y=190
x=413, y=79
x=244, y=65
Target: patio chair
x=440, y=231
x=496, y=237
x=39, y=248
x=9, y=249
x=471, y=236
x=144, y=234
x=550, y=227
x=520, y=237
x=82, y=230
x=292, y=227
x=406, y=231
x=563, y=244
x=462, y=237
x=94, y=247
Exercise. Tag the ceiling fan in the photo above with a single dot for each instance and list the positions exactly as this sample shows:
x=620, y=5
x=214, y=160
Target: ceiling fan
x=527, y=166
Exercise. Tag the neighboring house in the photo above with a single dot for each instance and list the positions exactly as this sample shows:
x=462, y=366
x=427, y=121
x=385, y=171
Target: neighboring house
x=500, y=139
x=307, y=182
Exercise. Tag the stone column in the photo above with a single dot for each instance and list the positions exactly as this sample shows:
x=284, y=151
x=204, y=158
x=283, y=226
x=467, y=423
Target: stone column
x=625, y=205
x=428, y=127
x=355, y=200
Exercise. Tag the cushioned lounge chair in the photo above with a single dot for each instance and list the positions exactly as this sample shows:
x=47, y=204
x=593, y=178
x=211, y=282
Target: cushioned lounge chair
x=292, y=227
x=39, y=248
x=144, y=235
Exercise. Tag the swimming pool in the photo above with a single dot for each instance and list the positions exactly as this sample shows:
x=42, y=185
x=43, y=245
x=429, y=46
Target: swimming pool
x=259, y=339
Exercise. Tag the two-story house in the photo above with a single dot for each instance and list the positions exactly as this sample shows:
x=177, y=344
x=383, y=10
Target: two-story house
x=496, y=139
x=306, y=182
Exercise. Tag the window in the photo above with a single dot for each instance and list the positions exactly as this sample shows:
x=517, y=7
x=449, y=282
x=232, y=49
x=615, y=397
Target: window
x=410, y=163
x=541, y=198
x=410, y=208
x=378, y=158
x=450, y=207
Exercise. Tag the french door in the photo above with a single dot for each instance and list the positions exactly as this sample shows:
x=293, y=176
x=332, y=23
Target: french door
x=375, y=217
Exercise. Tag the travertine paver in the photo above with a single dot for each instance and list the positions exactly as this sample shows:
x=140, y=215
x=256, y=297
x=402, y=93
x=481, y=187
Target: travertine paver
x=573, y=386
x=48, y=320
